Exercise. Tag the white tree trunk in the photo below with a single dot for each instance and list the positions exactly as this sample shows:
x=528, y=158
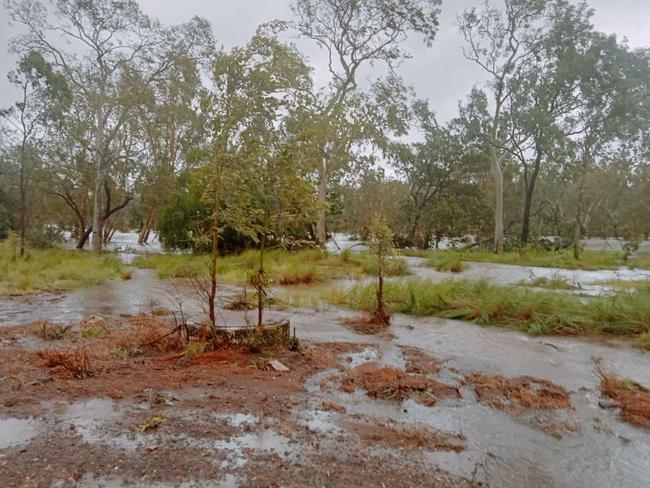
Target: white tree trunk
x=497, y=174
x=100, y=177
x=321, y=233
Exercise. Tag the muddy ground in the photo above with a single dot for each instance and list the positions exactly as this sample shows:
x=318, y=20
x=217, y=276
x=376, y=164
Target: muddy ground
x=427, y=402
x=220, y=418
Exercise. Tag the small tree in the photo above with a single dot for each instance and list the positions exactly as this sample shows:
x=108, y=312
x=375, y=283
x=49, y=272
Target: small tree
x=272, y=196
x=381, y=244
x=253, y=89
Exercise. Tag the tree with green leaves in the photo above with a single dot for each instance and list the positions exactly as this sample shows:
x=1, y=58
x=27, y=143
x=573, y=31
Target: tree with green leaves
x=44, y=94
x=502, y=43
x=613, y=117
x=254, y=88
x=353, y=34
x=543, y=94
x=381, y=245
x=121, y=49
x=270, y=195
x=433, y=170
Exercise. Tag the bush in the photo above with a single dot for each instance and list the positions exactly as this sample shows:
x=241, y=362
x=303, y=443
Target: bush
x=45, y=237
x=5, y=222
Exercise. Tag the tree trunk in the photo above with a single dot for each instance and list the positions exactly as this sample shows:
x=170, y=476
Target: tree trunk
x=528, y=201
x=100, y=178
x=321, y=234
x=578, y=222
x=84, y=238
x=23, y=199
x=143, y=237
x=497, y=174
x=213, y=265
x=260, y=285
x=213, y=279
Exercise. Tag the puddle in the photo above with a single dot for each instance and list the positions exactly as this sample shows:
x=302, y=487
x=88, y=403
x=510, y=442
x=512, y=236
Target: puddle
x=237, y=419
x=89, y=418
x=320, y=421
x=266, y=440
x=90, y=481
x=17, y=432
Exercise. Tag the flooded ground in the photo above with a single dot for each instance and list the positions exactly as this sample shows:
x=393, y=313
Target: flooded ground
x=587, y=282
x=167, y=421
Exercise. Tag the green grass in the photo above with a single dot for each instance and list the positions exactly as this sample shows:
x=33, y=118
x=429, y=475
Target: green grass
x=445, y=261
x=534, y=312
x=644, y=341
x=53, y=270
x=282, y=267
x=589, y=260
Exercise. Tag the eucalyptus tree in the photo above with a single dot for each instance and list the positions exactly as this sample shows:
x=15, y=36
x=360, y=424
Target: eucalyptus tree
x=433, y=169
x=106, y=46
x=354, y=34
x=43, y=93
x=172, y=126
x=543, y=94
x=502, y=43
x=613, y=117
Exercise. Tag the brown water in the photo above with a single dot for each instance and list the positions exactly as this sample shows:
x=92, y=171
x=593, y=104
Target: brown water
x=504, y=450
x=585, y=281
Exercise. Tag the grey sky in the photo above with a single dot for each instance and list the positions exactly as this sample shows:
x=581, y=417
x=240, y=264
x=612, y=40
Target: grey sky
x=439, y=73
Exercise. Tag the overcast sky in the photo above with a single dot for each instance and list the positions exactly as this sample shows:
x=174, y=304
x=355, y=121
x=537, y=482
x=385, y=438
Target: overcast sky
x=439, y=73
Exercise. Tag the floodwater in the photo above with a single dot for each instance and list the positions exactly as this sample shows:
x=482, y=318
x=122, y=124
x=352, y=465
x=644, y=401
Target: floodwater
x=586, y=282
x=16, y=432
x=503, y=449
x=513, y=450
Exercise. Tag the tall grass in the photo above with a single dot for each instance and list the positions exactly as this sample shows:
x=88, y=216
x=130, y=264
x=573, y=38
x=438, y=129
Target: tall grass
x=589, y=260
x=282, y=267
x=446, y=261
x=534, y=312
x=53, y=269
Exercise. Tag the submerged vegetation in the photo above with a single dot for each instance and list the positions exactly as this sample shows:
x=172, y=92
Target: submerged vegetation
x=533, y=312
x=555, y=282
x=53, y=269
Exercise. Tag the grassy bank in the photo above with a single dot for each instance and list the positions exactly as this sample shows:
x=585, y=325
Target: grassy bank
x=534, y=312
x=589, y=260
x=53, y=270
x=282, y=267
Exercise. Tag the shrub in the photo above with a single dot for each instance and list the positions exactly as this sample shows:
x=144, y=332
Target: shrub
x=74, y=361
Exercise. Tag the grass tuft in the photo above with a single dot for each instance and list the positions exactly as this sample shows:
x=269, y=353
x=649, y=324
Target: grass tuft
x=533, y=312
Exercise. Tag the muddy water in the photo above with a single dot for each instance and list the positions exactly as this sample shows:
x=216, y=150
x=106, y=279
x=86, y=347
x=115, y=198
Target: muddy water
x=503, y=449
x=17, y=432
x=506, y=274
x=144, y=292
x=512, y=450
